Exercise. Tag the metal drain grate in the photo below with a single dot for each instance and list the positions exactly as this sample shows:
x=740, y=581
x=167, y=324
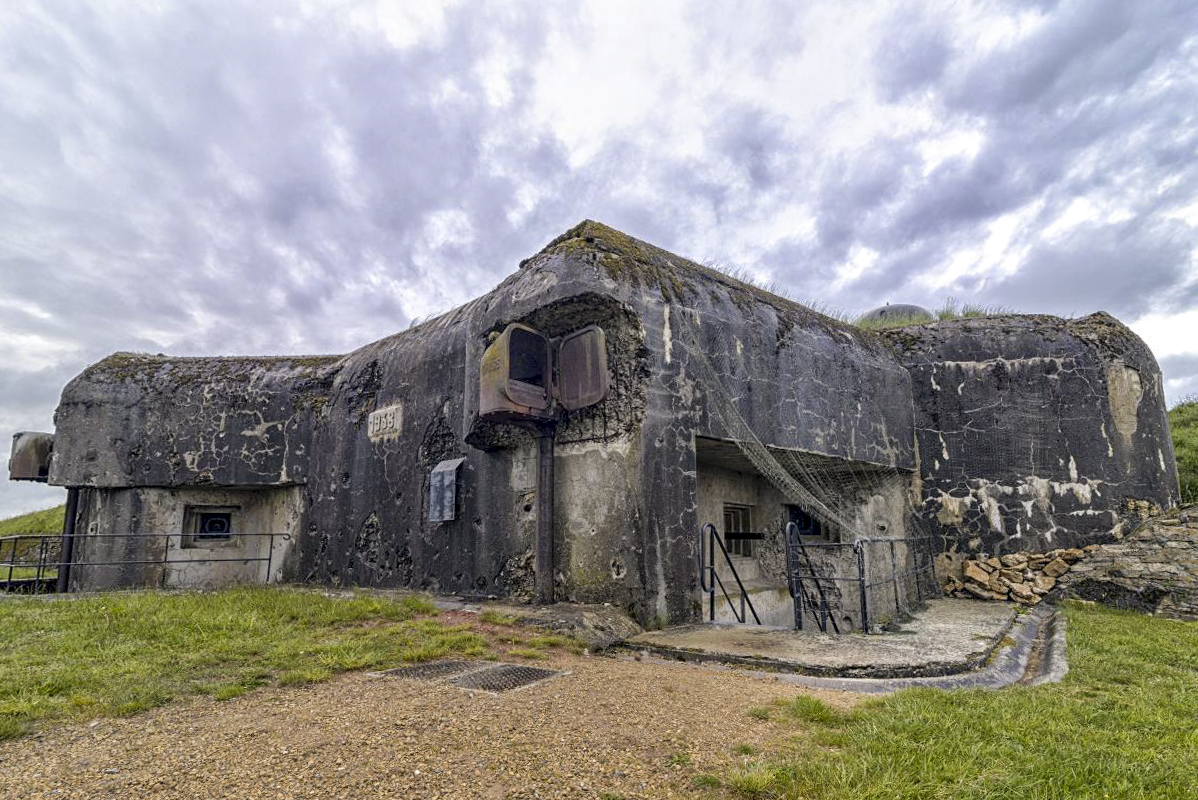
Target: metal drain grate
x=503, y=677
x=434, y=670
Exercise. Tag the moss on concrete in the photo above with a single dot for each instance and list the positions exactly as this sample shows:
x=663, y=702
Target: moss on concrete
x=126, y=366
x=631, y=261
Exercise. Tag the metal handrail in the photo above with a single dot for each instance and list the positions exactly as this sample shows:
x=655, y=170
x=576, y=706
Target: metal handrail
x=923, y=565
x=43, y=565
x=795, y=584
x=708, y=539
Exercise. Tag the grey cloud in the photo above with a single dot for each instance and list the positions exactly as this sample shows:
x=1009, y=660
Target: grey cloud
x=1101, y=99
x=214, y=98
x=221, y=178
x=754, y=140
x=915, y=56
x=175, y=179
x=1181, y=377
x=1085, y=48
x=1127, y=269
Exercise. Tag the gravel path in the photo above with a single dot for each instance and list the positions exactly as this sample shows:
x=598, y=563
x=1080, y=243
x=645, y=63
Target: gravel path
x=607, y=729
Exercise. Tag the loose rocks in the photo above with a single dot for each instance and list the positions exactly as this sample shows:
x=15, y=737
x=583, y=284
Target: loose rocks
x=1022, y=577
x=1153, y=569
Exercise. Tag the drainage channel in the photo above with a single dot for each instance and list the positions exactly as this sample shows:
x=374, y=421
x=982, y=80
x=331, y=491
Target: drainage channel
x=485, y=676
x=1036, y=655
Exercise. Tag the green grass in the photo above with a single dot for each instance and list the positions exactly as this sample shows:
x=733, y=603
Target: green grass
x=46, y=521
x=495, y=618
x=806, y=708
x=1183, y=419
x=117, y=654
x=527, y=652
x=1123, y=724
x=49, y=573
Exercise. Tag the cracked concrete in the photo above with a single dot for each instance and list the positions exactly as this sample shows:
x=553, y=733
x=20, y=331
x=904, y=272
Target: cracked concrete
x=1034, y=432
x=1013, y=430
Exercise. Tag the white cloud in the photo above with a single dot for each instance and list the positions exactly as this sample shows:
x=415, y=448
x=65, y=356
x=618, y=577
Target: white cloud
x=260, y=176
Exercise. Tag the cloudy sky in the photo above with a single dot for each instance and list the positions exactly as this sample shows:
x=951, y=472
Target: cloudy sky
x=227, y=177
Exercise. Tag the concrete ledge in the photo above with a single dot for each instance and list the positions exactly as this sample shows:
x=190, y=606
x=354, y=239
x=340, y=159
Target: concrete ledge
x=1031, y=653
x=950, y=636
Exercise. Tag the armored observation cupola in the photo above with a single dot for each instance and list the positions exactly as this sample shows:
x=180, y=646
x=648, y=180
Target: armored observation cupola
x=898, y=311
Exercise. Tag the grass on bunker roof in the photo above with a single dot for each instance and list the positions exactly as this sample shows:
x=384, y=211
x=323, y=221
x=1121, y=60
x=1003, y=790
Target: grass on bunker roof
x=120, y=653
x=950, y=310
x=1123, y=724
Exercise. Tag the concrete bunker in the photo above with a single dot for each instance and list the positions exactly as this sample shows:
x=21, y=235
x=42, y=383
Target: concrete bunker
x=568, y=434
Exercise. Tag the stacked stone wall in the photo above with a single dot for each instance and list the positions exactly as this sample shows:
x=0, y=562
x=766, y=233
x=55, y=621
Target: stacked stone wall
x=1153, y=569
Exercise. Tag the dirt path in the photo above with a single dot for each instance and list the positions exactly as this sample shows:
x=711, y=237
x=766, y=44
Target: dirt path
x=606, y=730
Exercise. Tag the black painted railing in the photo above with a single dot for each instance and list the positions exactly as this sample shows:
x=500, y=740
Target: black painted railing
x=810, y=590
x=709, y=576
x=31, y=563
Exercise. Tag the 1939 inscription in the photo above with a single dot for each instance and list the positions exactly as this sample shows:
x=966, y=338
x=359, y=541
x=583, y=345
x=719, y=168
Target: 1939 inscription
x=385, y=422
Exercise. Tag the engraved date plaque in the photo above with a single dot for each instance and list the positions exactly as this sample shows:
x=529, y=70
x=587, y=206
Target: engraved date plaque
x=386, y=423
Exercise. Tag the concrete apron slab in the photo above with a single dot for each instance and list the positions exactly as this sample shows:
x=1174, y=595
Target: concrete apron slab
x=962, y=639
x=1035, y=655
x=950, y=636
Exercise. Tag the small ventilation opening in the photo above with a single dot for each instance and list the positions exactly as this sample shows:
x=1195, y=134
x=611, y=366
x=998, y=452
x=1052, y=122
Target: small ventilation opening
x=217, y=525
x=208, y=525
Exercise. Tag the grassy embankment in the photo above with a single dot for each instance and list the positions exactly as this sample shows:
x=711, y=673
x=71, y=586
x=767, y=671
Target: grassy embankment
x=1121, y=725
x=48, y=520
x=120, y=653
x=1183, y=419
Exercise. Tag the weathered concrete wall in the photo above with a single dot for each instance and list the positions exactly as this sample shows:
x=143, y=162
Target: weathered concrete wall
x=368, y=517
x=1023, y=430
x=800, y=380
x=141, y=420
x=598, y=530
x=626, y=515
x=1035, y=432
x=170, y=560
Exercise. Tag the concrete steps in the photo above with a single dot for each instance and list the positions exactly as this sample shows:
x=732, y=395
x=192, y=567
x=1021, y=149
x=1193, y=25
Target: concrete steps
x=747, y=568
x=772, y=602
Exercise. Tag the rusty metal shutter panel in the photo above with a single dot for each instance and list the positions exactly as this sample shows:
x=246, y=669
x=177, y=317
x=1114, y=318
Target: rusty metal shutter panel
x=443, y=490
x=583, y=379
